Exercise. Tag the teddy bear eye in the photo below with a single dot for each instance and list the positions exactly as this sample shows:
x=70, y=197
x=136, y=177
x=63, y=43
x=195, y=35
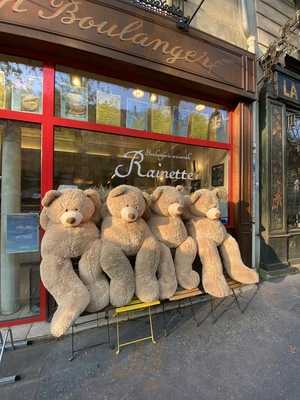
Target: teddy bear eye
x=75, y=209
x=66, y=210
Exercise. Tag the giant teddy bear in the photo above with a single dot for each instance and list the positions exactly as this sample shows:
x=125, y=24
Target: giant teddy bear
x=167, y=206
x=205, y=227
x=125, y=228
x=68, y=219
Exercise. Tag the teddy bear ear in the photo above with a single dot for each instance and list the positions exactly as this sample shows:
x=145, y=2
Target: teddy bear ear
x=147, y=198
x=118, y=191
x=195, y=196
x=156, y=194
x=50, y=196
x=180, y=188
x=221, y=193
x=94, y=195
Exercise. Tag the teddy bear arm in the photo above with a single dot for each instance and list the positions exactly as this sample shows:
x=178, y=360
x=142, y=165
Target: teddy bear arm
x=233, y=263
x=44, y=220
x=146, y=264
x=69, y=292
x=213, y=279
x=92, y=276
x=166, y=273
x=184, y=258
x=116, y=265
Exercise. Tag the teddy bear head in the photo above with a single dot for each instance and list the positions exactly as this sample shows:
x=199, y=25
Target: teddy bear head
x=168, y=201
x=205, y=203
x=72, y=206
x=126, y=202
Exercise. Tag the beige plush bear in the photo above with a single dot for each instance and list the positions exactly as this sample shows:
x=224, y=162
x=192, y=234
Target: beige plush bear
x=206, y=228
x=68, y=219
x=125, y=229
x=167, y=206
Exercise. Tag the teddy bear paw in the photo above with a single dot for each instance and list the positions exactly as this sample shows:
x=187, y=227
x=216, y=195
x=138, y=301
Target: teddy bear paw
x=244, y=274
x=216, y=287
x=189, y=281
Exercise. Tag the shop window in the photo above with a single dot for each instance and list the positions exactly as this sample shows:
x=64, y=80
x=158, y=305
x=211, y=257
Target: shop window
x=106, y=101
x=293, y=170
x=20, y=205
x=20, y=85
x=86, y=159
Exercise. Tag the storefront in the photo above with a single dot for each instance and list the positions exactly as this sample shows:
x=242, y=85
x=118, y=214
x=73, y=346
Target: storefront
x=280, y=164
x=94, y=94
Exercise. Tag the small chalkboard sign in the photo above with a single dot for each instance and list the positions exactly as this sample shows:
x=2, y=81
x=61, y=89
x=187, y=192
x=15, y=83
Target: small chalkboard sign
x=22, y=233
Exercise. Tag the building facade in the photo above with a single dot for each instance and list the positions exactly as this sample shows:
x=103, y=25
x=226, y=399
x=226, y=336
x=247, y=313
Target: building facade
x=100, y=93
x=279, y=136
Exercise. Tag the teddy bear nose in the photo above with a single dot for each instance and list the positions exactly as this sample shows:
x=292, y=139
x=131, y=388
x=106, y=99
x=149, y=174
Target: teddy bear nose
x=70, y=220
x=131, y=216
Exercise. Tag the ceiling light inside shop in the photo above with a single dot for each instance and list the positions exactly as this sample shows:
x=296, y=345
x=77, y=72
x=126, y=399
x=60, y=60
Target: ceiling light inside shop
x=138, y=93
x=199, y=107
x=153, y=98
x=76, y=80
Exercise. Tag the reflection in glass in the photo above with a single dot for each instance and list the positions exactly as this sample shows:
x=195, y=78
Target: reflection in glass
x=20, y=194
x=111, y=102
x=104, y=161
x=20, y=84
x=293, y=170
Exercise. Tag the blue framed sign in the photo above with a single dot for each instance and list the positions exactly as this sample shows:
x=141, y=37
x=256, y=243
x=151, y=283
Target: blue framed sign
x=22, y=233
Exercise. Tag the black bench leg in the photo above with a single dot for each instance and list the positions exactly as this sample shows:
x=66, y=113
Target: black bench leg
x=108, y=330
x=164, y=320
x=237, y=301
x=72, y=344
x=193, y=311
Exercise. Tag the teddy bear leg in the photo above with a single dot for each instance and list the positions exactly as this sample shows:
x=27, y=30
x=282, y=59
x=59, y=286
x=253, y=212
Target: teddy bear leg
x=117, y=266
x=166, y=273
x=233, y=263
x=213, y=280
x=69, y=292
x=92, y=276
x=146, y=264
x=184, y=258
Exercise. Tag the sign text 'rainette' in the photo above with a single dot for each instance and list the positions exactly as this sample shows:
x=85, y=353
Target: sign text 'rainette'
x=73, y=12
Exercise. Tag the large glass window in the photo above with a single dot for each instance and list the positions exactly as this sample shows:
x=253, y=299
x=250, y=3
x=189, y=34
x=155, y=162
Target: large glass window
x=20, y=205
x=92, y=98
x=293, y=170
x=86, y=159
x=20, y=84
x=90, y=157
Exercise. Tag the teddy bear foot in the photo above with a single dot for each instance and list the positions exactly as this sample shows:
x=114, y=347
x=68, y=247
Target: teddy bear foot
x=166, y=290
x=243, y=274
x=189, y=281
x=61, y=322
x=121, y=293
x=215, y=286
x=148, y=293
x=99, y=293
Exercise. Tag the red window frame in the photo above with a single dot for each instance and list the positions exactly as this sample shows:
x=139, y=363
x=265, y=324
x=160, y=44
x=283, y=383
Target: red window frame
x=48, y=122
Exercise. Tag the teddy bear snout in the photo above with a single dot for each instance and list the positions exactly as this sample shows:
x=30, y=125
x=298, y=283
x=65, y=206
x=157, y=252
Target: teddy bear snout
x=71, y=218
x=213, y=213
x=129, y=214
x=175, y=209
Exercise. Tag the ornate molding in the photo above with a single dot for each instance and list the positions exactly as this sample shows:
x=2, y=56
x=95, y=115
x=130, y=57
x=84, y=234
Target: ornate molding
x=161, y=7
x=281, y=47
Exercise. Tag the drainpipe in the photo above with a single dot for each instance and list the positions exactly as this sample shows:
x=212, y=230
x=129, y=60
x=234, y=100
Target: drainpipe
x=248, y=12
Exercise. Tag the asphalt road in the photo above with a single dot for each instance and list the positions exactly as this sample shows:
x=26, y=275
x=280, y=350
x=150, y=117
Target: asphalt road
x=250, y=356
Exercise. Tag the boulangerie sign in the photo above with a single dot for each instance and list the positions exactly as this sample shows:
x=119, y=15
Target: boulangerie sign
x=103, y=25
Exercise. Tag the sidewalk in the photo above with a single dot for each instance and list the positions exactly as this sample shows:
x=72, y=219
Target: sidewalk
x=251, y=356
